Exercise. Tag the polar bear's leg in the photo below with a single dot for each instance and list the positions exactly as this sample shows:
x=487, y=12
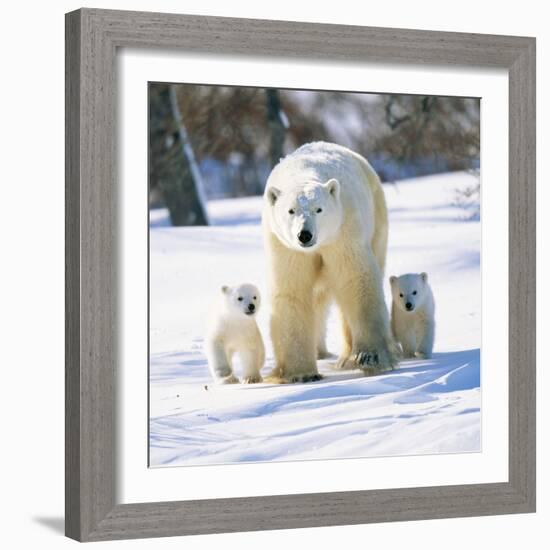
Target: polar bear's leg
x=292, y=316
x=220, y=364
x=253, y=361
x=321, y=331
x=320, y=305
x=407, y=340
x=426, y=344
x=380, y=237
x=358, y=291
x=251, y=365
x=342, y=362
x=293, y=336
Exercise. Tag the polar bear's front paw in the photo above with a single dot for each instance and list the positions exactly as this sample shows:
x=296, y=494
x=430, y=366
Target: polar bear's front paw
x=371, y=362
x=253, y=379
x=422, y=355
x=282, y=376
x=231, y=379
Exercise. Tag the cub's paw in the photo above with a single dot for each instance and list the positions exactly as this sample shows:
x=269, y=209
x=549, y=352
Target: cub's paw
x=422, y=355
x=231, y=379
x=254, y=379
x=304, y=377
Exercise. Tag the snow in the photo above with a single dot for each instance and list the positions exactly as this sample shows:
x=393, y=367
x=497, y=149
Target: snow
x=422, y=407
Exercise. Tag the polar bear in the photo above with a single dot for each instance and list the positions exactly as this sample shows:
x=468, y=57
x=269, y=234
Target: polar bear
x=325, y=227
x=412, y=314
x=233, y=330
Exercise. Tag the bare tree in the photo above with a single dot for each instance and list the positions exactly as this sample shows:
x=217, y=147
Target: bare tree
x=429, y=126
x=278, y=124
x=172, y=165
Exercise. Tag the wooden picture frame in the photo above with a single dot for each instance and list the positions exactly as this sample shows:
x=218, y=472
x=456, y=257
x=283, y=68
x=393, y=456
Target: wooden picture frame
x=92, y=39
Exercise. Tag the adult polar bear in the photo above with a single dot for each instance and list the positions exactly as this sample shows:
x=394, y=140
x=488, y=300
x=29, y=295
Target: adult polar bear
x=325, y=225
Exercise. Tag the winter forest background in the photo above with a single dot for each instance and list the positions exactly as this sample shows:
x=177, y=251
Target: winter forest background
x=212, y=142
x=211, y=149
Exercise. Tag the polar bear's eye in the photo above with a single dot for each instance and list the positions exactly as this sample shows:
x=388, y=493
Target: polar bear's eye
x=254, y=297
x=319, y=210
x=400, y=295
x=414, y=292
x=240, y=298
x=291, y=211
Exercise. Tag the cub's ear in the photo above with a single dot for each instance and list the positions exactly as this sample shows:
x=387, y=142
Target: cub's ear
x=225, y=289
x=272, y=195
x=333, y=187
x=393, y=278
x=424, y=276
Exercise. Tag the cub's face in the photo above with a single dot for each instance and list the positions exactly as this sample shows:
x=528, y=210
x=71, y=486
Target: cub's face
x=242, y=299
x=408, y=291
x=306, y=218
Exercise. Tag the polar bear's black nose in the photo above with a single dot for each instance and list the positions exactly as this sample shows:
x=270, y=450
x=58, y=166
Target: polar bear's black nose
x=251, y=307
x=304, y=236
x=408, y=305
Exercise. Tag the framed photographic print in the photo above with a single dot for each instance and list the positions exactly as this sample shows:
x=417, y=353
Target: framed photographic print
x=300, y=275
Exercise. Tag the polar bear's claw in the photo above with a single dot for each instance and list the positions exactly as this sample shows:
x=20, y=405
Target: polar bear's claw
x=370, y=362
x=311, y=377
x=366, y=358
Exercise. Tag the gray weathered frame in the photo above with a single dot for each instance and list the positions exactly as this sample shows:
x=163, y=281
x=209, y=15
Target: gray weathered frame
x=92, y=38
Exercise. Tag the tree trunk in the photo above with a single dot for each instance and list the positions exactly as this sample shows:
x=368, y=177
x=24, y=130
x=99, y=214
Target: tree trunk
x=172, y=165
x=278, y=124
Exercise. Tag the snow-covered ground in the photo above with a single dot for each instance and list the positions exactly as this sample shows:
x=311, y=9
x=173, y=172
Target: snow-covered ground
x=429, y=406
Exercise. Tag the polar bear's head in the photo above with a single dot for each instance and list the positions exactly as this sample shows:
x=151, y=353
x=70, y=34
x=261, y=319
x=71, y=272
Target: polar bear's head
x=408, y=291
x=307, y=216
x=242, y=300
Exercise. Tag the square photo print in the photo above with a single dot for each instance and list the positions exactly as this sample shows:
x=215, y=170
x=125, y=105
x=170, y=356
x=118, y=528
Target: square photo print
x=314, y=275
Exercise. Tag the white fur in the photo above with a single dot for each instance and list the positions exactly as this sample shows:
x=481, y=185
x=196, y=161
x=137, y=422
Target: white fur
x=336, y=196
x=413, y=328
x=233, y=330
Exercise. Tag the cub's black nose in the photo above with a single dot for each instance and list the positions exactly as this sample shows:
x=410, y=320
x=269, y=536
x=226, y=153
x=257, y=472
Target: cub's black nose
x=251, y=307
x=304, y=236
x=408, y=305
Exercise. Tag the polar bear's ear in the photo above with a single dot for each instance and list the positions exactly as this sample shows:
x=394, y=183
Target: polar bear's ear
x=424, y=276
x=393, y=278
x=273, y=194
x=333, y=187
x=225, y=289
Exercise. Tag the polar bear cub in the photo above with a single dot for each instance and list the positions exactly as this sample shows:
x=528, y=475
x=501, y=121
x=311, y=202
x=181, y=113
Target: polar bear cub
x=233, y=330
x=412, y=314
